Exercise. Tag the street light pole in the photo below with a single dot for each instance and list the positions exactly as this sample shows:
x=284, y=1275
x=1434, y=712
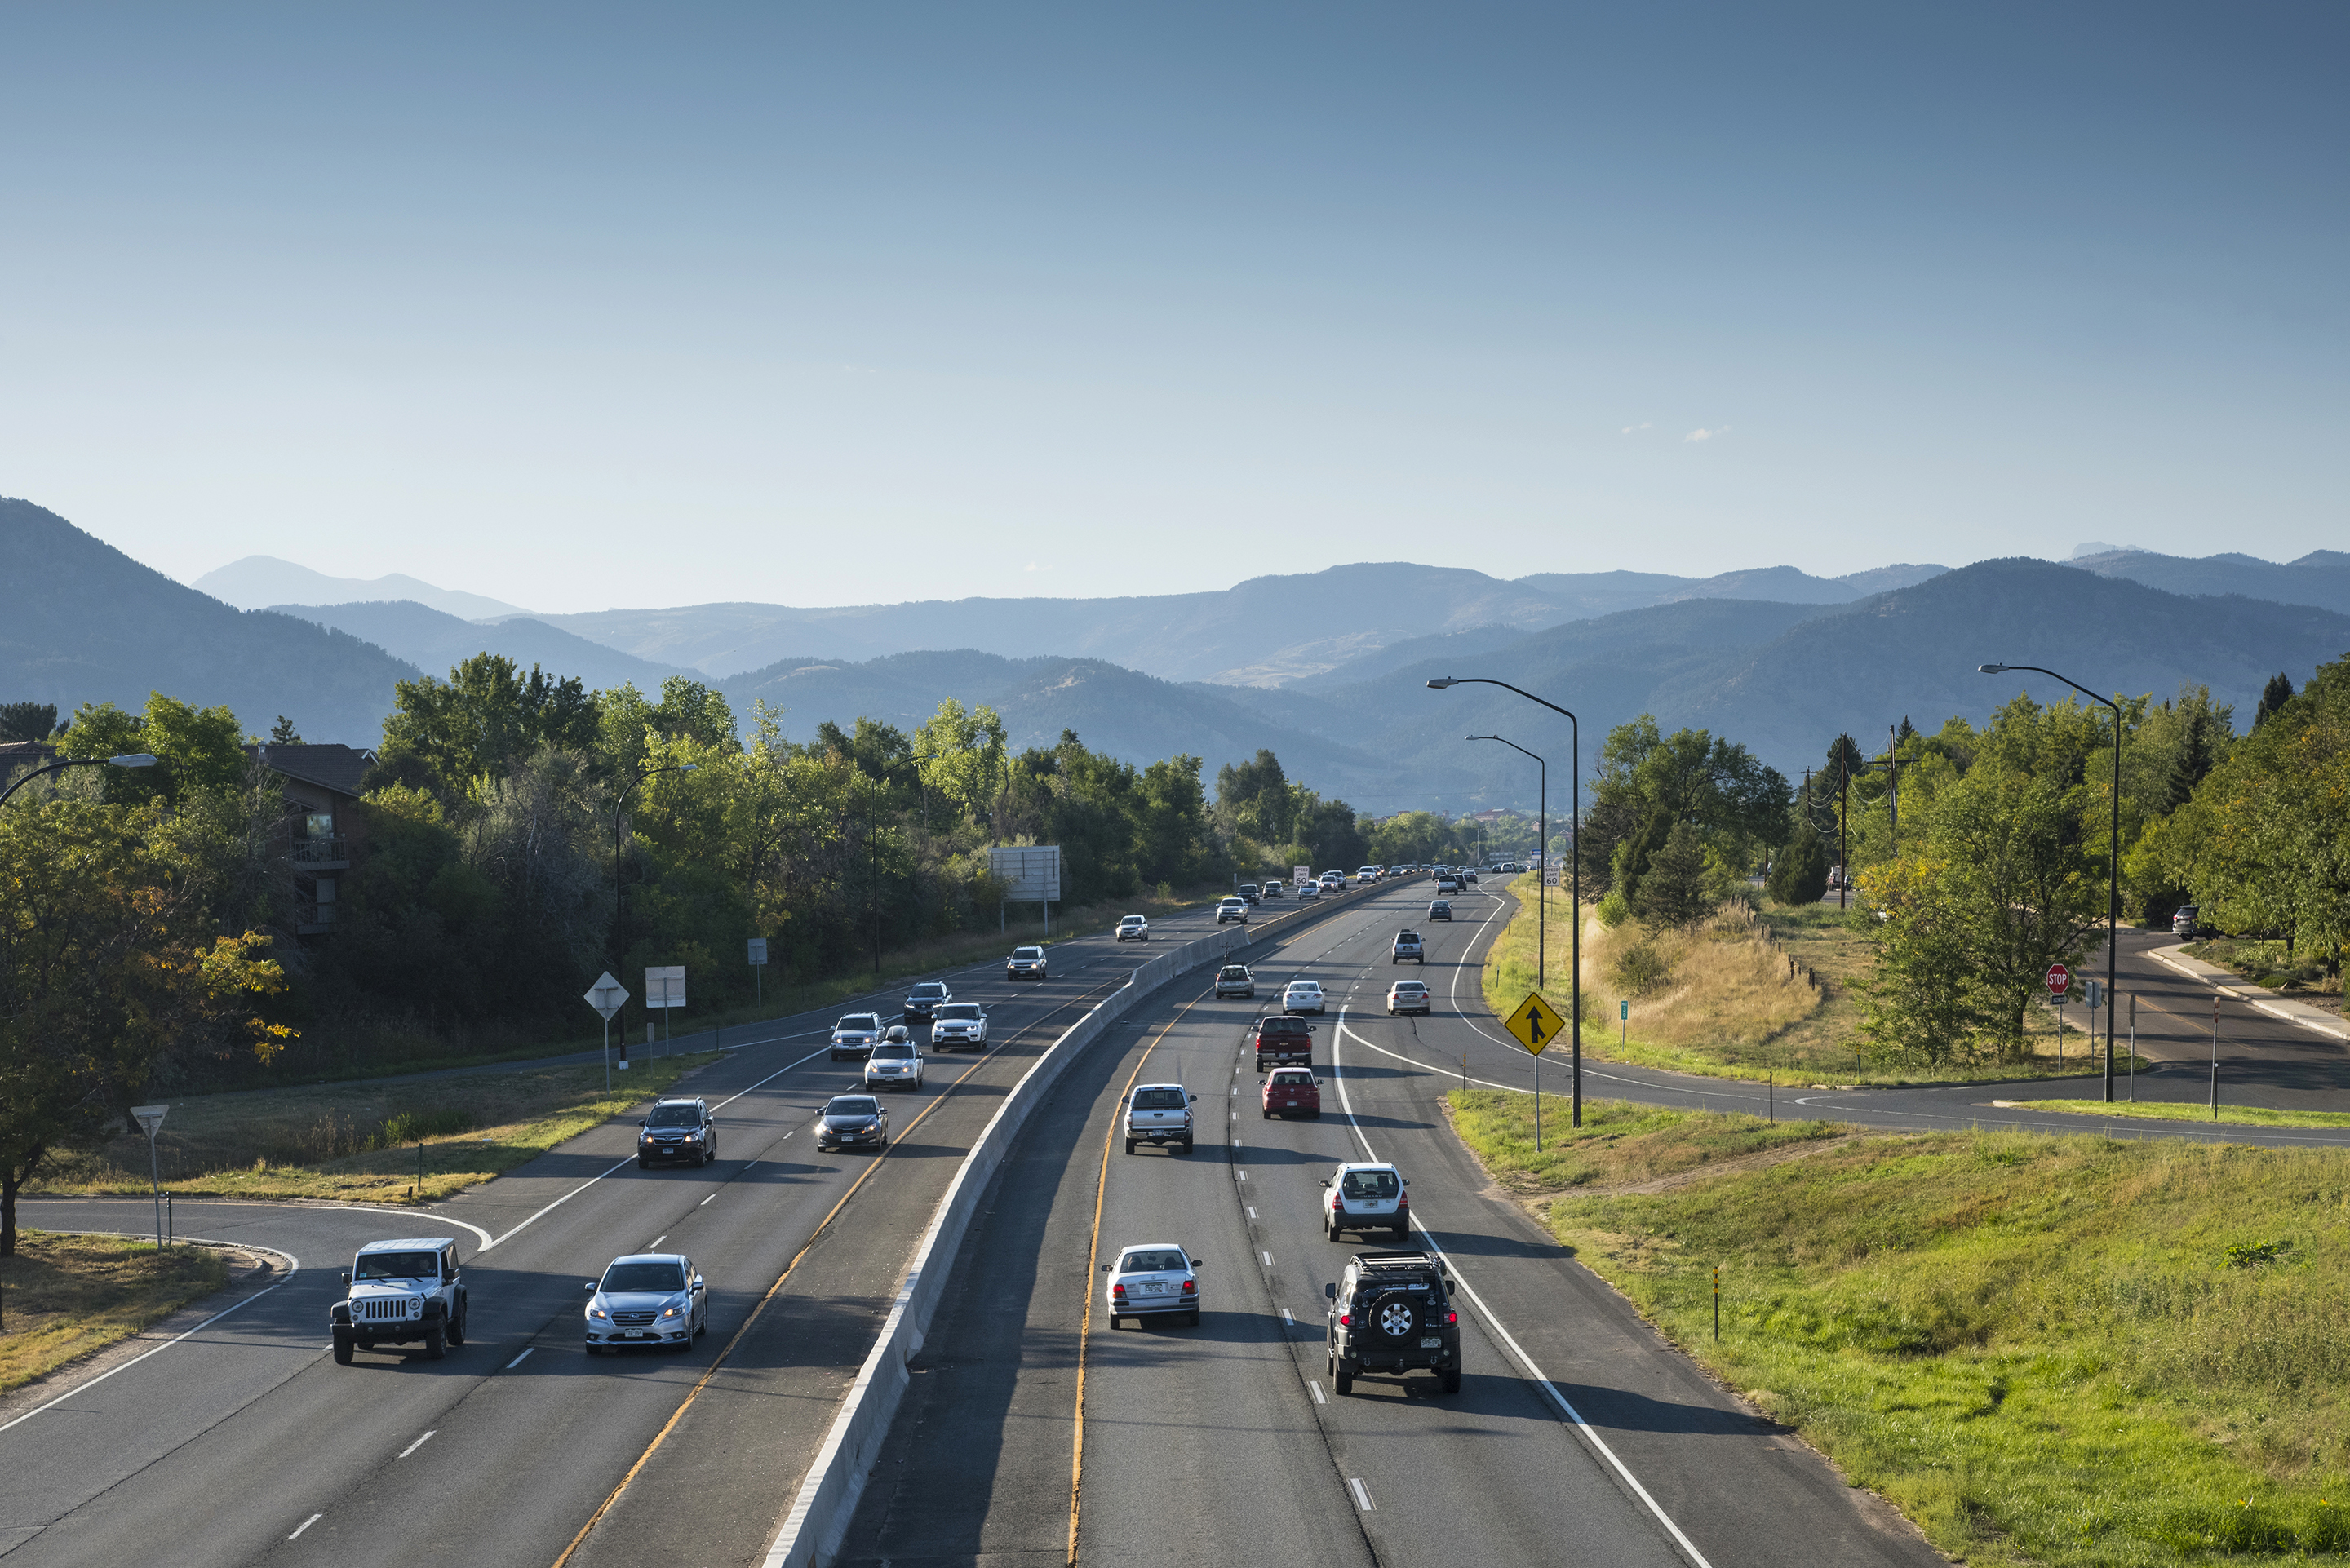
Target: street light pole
x=2113, y=854
x=1444, y=682
x=1542, y=875
x=619, y=888
x=128, y=760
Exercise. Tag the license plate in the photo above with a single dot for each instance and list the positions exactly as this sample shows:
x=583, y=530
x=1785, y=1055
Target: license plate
x=1431, y=1345
x=1150, y=1290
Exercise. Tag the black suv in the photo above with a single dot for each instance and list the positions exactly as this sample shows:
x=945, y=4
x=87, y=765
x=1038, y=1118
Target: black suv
x=1392, y=1313
x=677, y=1130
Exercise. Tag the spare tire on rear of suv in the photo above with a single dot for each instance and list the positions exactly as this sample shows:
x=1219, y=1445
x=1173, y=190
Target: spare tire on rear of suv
x=1395, y=1316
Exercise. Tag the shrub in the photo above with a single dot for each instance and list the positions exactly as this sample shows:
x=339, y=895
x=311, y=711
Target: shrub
x=1641, y=969
x=1613, y=910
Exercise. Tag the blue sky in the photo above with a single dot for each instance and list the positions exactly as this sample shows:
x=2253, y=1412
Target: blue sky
x=578, y=307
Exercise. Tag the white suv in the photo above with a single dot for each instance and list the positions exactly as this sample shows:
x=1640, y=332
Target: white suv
x=1134, y=929
x=1365, y=1196
x=896, y=1063
x=402, y=1292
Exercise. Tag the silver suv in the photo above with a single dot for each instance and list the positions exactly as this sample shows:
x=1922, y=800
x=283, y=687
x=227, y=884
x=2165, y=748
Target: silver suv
x=854, y=1036
x=402, y=1292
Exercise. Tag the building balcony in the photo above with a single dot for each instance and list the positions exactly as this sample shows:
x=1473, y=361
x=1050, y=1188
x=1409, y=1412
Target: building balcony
x=330, y=853
x=312, y=919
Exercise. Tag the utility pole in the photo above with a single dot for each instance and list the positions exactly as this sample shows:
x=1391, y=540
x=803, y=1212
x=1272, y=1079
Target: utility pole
x=1844, y=812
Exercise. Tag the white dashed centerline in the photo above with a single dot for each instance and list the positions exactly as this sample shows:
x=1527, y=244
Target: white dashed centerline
x=1268, y=1259
x=416, y=1445
x=306, y=1524
x=1317, y=1387
x=1362, y=1494
x=517, y=1361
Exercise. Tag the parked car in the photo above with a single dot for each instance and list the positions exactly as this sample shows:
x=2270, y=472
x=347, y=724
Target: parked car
x=1392, y=1313
x=1025, y=963
x=1231, y=909
x=1282, y=1039
x=1408, y=945
x=925, y=998
x=854, y=1036
x=646, y=1298
x=1304, y=996
x=896, y=1063
x=959, y=1026
x=677, y=1130
x=1156, y=1280
x=1292, y=1092
x=1234, y=980
x=1159, y=1114
x=1365, y=1196
x=400, y=1293
x=852, y=1121
x=1134, y=929
x=1440, y=909
x=1408, y=996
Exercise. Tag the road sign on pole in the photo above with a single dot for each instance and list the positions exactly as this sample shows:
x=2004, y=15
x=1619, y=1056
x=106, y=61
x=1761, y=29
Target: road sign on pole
x=151, y=1121
x=2059, y=980
x=1535, y=1023
x=605, y=997
x=759, y=951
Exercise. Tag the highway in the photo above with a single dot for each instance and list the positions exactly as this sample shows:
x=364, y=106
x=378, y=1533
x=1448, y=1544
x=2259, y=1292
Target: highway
x=246, y=1443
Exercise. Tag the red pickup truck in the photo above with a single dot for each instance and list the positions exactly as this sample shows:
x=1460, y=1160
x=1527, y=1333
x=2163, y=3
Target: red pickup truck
x=1283, y=1040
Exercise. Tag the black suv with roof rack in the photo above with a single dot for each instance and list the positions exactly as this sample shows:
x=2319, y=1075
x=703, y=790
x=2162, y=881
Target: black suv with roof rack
x=1392, y=1313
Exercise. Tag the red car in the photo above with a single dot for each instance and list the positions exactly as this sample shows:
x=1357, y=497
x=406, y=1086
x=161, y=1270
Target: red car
x=1293, y=1090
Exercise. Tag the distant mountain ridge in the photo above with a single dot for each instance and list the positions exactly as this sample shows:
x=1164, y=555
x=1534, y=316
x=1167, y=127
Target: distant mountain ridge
x=2321, y=578
x=433, y=641
x=258, y=582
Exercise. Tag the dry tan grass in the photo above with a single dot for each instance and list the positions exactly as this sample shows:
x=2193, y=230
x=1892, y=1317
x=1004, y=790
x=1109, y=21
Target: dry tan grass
x=69, y=1295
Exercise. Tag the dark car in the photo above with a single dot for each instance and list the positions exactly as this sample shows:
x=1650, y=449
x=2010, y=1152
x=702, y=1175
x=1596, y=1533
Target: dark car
x=1282, y=1040
x=852, y=1121
x=677, y=1132
x=1442, y=909
x=925, y=998
x=1392, y=1313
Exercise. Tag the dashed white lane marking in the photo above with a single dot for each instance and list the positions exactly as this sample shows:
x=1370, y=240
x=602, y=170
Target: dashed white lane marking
x=517, y=1361
x=1362, y=1496
x=1251, y=1212
x=1268, y=1264
x=705, y=1200
x=657, y=1241
x=1319, y=1399
x=306, y=1524
x=416, y=1445
x=1240, y=1175
x=1287, y=1319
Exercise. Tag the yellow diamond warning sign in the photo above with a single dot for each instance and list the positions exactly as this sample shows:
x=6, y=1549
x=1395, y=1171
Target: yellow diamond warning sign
x=1535, y=1023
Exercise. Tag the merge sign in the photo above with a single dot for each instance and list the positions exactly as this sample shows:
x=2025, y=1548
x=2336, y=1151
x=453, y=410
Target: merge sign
x=1031, y=872
x=1535, y=1023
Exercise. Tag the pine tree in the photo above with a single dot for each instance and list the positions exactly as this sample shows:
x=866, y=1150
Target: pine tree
x=2274, y=696
x=1799, y=872
x=284, y=733
x=1672, y=893
x=2193, y=761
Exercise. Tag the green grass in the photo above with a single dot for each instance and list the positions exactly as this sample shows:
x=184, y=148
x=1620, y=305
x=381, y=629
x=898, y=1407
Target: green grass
x=1620, y=1143
x=2045, y=1349
x=66, y=1296
x=357, y=1142
x=2304, y=974
x=2246, y=1115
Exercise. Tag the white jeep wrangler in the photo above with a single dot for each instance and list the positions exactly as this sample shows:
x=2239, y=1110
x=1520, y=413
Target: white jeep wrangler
x=402, y=1292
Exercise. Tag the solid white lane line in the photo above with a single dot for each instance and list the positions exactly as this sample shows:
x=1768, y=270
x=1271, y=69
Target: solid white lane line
x=290, y=1258
x=373, y=1209
x=416, y=1445
x=518, y=1360
x=306, y=1524
x=1542, y=1379
x=1318, y=1398
x=1362, y=1496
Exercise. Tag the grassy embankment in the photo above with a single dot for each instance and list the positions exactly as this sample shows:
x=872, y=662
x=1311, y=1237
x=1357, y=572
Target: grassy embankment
x=1741, y=997
x=66, y=1296
x=357, y=1142
x=2300, y=975
x=2055, y=1350
x=2149, y=1110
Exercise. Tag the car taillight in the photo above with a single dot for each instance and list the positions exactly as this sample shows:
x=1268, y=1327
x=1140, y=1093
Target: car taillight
x=1403, y=1200
x=1452, y=1317
x=1118, y=1289
x=1189, y=1286
x=1346, y=1320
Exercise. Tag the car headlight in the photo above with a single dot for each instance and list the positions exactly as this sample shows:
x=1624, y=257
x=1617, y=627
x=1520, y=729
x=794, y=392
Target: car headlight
x=598, y=1312
x=669, y=1312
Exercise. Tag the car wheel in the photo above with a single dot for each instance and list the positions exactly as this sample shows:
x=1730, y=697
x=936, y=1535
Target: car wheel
x=643, y=1164
x=1129, y=1146
x=1452, y=1381
x=1264, y=1115
x=345, y=1349
x=436, y=1344
x=1187, y=1146
x=1316, y=1113
x=1342, y=1377
x=1195, y=1317
x=457, y=1329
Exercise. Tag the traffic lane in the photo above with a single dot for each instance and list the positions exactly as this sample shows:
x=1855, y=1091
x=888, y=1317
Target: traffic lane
x=1740, y=1487
x=1488, y=1474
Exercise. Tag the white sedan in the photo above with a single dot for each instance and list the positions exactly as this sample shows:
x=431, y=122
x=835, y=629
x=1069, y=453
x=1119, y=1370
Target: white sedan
x=1304, y=996
x=1408, y=996
x=1152, y=1281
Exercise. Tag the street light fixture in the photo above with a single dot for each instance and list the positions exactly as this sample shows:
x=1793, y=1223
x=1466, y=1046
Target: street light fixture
x=128, y=760
x=1445, y=682
x=1541, y=888
x=619, y=895
x=2113, y=853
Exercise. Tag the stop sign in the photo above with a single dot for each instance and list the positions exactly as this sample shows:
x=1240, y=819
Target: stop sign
x=2059, y=980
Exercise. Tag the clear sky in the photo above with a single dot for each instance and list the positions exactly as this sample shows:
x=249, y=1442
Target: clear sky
x=835, y=304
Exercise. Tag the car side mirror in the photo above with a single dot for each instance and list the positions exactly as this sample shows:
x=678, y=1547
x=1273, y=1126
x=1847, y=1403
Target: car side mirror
x=347, y=1276
x=1195, y=1099
x=589, y=1286
x=1330, y=1289
x=1326, y=1184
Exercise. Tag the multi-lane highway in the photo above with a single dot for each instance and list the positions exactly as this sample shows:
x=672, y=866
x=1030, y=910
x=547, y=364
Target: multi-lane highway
x=244, y=1442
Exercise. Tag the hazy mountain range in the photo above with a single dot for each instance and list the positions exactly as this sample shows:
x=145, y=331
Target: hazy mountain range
x=1327, y=669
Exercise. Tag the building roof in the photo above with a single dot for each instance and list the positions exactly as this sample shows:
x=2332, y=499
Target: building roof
x=17, y=756
x=338, y=768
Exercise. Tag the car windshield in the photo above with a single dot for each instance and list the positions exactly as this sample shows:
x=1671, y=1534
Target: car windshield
x=1132, y=920
x=644, y=1277
x=1151, y=1261
x=1293, y=1080
x=1027, y=953
x=1233, y=971
x=1410, y=986
x=1372, y=1184
x=1305, y=985
x=856, y=1021
x=1158, y=1099
x=930, y=989
x=398, y=1266
x=852, y=1106
x=890, y=1049
x=675, y=1116
x=960, y=1009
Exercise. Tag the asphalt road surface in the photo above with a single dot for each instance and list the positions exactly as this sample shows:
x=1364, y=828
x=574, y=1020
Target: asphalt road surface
x=246, y=1443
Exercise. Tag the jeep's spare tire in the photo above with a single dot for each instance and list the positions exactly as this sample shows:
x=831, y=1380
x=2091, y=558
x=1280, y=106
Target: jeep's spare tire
x=1395, y=1316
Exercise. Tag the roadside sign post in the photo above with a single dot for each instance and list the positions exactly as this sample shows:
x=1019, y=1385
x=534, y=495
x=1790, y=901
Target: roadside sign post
x=665, y=989
x=605, y=997
x=758, y=971
x=151, y=1121
x=1623, y=1023
x=2214, y=1058
x=2060, y=981
x=1536, y=1023
x=2133, y=1029
x=2095, y=999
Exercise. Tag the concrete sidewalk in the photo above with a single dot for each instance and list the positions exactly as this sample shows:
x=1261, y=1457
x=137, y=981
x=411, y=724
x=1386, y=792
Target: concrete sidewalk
x=2227, y=984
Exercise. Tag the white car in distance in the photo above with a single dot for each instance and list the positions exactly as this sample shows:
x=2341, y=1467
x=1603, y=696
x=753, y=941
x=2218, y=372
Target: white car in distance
x=1155, y=1280
x=1408, y=996
x=1304, y=996
x=1134, y=929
